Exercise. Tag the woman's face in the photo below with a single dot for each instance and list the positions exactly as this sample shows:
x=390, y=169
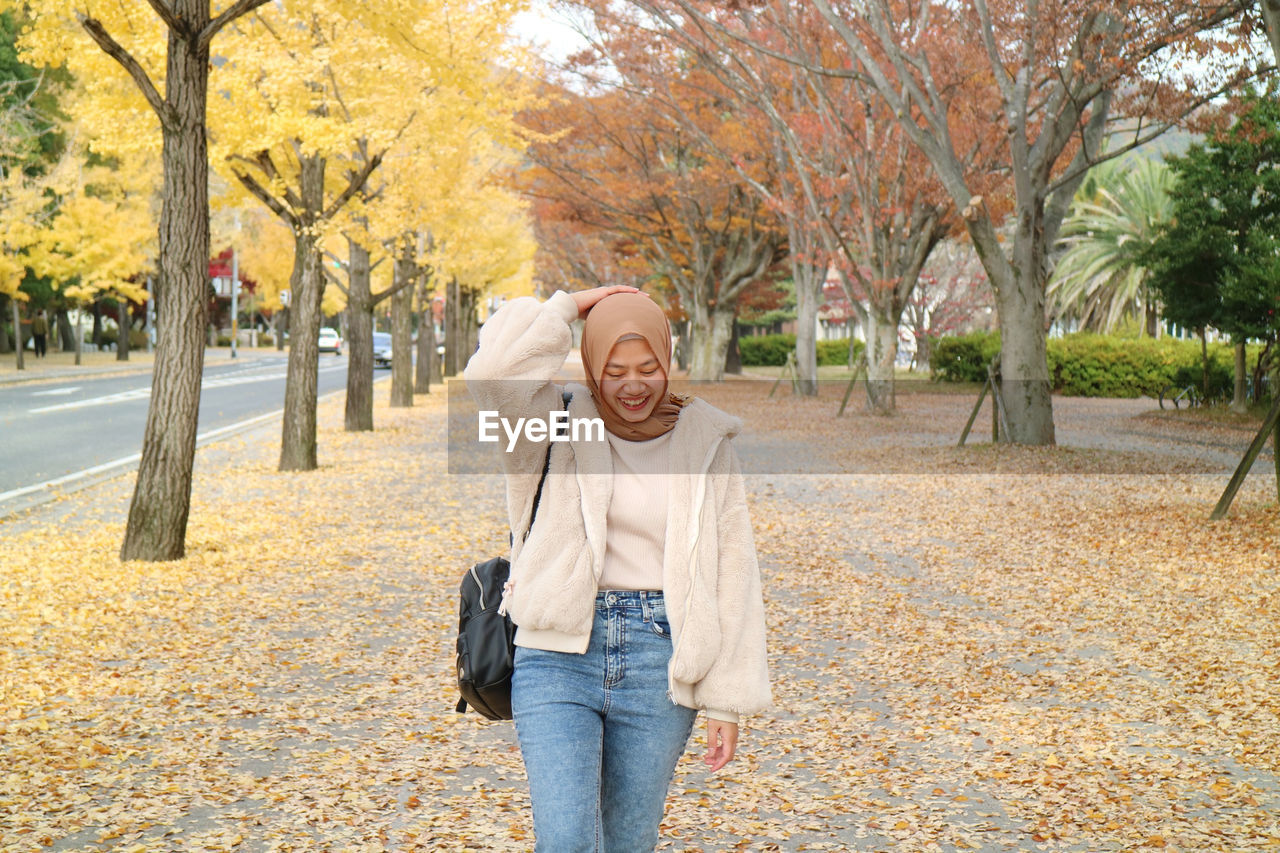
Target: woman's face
x=633, y=380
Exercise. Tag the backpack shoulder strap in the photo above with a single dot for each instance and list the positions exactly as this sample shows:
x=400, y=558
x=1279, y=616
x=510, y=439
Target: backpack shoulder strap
x=565, y=397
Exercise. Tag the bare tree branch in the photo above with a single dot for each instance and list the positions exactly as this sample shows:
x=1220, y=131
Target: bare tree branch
x=112, y=48
x=395, y=288
x=355, y=182
x=172, y=21
x=265, y=163
x=229, y=14
x=332, y=278
x=261, y=194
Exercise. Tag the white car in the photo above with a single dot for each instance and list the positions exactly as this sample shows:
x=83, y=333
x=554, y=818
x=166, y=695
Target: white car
x=330, y=341
x=381, y=349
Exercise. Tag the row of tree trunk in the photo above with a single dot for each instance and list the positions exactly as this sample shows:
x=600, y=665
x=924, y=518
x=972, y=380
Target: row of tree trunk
x=64, y=334
x=410, y=284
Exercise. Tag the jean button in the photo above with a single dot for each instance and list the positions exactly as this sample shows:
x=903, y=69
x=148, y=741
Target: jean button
x=612, y=599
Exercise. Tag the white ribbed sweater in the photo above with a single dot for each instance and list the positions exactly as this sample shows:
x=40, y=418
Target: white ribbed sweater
x=637, y=517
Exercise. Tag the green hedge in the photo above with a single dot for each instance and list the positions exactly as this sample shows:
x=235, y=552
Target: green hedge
x=964, y=358
x=771, y=350
x=137, y=338
x=1089, y=365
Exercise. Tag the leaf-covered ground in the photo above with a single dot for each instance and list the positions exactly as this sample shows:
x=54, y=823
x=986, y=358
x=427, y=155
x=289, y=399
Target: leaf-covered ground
x=973, y=649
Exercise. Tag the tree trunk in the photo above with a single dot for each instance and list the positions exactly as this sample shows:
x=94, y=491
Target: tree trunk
x=17, y=333
x=97, y=325
x=1239, y=403
x=281, y=328
x=402, y=334
x=924, y=353
x=66, y=334
x=125, y=322
x=1152, y=318
x=298, y=436
x=732, y=356
x=808, y=283
x=157, y=527
x=706, y=359
x=682, y=347
x=359, y=407
x=1204, y=363
x=1024, y=365
x=460, y=327
x=1024, y=371
x=468, y=297
x=882, y=355
x=4, y=328
x=426, y=338
x=452, y=330
x=1271, y=19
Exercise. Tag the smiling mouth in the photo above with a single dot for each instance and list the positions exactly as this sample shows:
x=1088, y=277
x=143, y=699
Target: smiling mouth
x=634, y=404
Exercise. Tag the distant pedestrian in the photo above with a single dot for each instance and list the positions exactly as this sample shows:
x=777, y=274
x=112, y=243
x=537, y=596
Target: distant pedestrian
x=636, y=595
x=40, y=332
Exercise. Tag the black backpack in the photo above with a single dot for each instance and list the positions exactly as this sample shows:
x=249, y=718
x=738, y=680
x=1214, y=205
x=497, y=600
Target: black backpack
x=486, y=642
x=487, y=638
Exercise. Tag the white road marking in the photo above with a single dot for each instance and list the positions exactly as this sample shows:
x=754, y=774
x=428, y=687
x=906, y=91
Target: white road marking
x=133, y=459
x=78, y=475
x=145, y=393
x=56, y=392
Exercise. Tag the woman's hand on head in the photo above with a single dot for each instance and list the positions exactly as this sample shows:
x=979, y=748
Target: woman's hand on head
x=587, y=299
x=722, y=743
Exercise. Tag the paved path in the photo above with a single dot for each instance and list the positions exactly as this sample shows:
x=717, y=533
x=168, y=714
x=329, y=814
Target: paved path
x=942, y=681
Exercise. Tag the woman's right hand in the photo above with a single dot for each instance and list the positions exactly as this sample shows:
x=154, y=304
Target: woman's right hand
x=587, y=299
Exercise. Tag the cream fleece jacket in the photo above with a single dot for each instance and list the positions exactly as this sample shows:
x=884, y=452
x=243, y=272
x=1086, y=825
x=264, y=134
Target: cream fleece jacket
x=711, y=580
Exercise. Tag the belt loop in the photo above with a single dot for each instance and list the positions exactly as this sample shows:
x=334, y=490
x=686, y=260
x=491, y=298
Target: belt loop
x=646, y=610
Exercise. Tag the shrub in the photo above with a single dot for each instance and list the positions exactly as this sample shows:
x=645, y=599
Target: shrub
x=137, y=338
x=836, y=352
x=964, y=358
x=1222, y=377
x=266, y=341
x=772, y=350
x=765, y=350
x=1089, y=365
x=224, y=340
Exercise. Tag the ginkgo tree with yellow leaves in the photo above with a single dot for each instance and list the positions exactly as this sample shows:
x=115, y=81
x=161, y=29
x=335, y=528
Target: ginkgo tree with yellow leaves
x=25, y=187
x=485, y=247
x=84, y=223
x=165, y=48
x=478, y=237
x=311, y=96
x=265, y=245
x=99, y=238
x=23, y=207
x=333, y=88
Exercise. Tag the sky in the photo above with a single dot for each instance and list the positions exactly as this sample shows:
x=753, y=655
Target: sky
x=550, y=29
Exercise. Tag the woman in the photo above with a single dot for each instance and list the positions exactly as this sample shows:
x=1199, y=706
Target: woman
x=635, y=593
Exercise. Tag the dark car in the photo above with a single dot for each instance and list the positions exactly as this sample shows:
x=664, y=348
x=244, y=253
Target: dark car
x=381, y=349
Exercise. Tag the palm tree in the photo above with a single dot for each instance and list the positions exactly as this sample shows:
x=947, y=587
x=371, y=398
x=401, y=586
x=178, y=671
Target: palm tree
x=1117, y=211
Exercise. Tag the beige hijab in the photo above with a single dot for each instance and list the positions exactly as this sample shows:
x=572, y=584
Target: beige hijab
x=618, y=316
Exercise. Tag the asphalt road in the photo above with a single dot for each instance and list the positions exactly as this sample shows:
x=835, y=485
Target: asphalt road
x=52, y=431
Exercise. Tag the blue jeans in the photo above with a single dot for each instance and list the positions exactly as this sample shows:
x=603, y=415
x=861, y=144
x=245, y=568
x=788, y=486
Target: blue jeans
x=599, y=736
